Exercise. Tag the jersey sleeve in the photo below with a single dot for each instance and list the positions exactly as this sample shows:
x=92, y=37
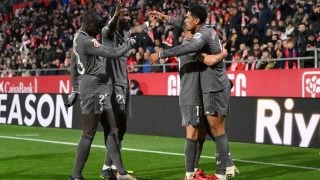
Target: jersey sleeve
x=176, y=21
x=74, y=73
x=93, y=47
x=196, y=44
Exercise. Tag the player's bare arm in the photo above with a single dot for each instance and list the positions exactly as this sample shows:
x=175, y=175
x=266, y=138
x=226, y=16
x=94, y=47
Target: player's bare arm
x=211, y=60
x=111, y=27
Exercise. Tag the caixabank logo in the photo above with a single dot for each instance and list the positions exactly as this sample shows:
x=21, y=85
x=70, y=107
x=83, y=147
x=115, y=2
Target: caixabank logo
x=311, y=84
x=18, y=87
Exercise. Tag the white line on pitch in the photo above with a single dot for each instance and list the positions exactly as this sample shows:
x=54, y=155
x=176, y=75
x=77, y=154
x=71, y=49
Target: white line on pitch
x=159, y=152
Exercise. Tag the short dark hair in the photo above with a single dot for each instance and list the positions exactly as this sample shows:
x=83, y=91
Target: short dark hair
x=199, y=11
x=91, y=16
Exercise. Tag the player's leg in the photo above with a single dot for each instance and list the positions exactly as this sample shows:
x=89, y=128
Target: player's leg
x=113, y=142
x=202, y=132
x=120, y=112
x=231, y=169
x=191, y=120
x=114, y=149
x=190, y=150
x=108, y=170
x=216, y=107
x=90, y=122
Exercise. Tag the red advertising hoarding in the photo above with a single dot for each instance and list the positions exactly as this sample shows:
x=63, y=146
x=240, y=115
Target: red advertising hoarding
x=36, y=84
x=272, y=83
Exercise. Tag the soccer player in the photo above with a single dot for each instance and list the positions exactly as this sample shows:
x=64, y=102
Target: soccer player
x=214, y=83
x=113, y=35
x=94, y=92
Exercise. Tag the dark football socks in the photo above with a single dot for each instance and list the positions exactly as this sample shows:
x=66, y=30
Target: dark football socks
x=190, y=151
x=198, y=152
x=222, y=151
x=114, y=150
x=82, y=155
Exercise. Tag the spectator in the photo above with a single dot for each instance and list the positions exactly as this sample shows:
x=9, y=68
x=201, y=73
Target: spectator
x=280, y=55
x=301, y=39
x=251, y=64
x=146, y=63
x=236, y=64
x=290, y=52
x=48, y=34
x=265, y=15
x=6, y=72
x=265, y=62
x=135, y=87
x=131, y=62
x=315, y=18
x=244, y=37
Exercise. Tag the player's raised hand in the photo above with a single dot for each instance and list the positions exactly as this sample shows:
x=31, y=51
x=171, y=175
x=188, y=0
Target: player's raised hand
x=154, y=57
x=119, y=6
x=158, y=15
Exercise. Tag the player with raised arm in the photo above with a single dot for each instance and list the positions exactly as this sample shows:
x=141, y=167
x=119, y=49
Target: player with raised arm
x=114, y=35
x=190, y=99
x=94, y=93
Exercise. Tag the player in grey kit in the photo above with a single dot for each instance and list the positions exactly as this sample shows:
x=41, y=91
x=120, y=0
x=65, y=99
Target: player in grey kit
x=190, y=100
x=113, y=35
x=214, y=83
x=94, y=92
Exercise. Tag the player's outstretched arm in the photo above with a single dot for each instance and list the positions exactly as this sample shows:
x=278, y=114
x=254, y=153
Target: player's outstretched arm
x=143, y=27
x=158, y=15
x=196, y=44
x=93, y=47
x=176, y=21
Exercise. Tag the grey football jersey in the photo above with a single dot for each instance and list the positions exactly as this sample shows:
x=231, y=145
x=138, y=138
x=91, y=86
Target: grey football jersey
x=190, y=92
x=88, y=50
x=213, y=78
x=118, y=66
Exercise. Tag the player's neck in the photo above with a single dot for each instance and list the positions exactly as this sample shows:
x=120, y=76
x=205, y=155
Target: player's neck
x=198, y=27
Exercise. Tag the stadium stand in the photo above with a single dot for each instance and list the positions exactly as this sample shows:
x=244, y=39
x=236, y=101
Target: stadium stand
x=38, y=34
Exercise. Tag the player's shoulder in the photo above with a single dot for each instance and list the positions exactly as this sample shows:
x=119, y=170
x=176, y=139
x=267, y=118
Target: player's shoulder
x=203, y=33
x=88, y=41
x=209, y=32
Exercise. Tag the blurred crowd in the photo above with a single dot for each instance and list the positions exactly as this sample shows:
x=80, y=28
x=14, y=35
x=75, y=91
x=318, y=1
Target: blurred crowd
x=40, y=35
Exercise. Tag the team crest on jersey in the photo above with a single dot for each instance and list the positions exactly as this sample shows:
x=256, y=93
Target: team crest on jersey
x=96, y=43
x=196, y=35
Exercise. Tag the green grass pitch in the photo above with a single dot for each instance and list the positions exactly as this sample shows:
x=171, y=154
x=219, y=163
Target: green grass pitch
x=49, y=153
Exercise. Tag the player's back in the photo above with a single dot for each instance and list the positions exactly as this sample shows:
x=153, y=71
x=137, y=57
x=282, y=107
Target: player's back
x=190, y=92
x=88, y=64
x=213, y=78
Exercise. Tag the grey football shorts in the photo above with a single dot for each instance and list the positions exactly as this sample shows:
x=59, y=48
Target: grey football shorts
x=95, y=103
x=121, y=100
x=192, y=115
x=216, y=102
x=95, y=98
